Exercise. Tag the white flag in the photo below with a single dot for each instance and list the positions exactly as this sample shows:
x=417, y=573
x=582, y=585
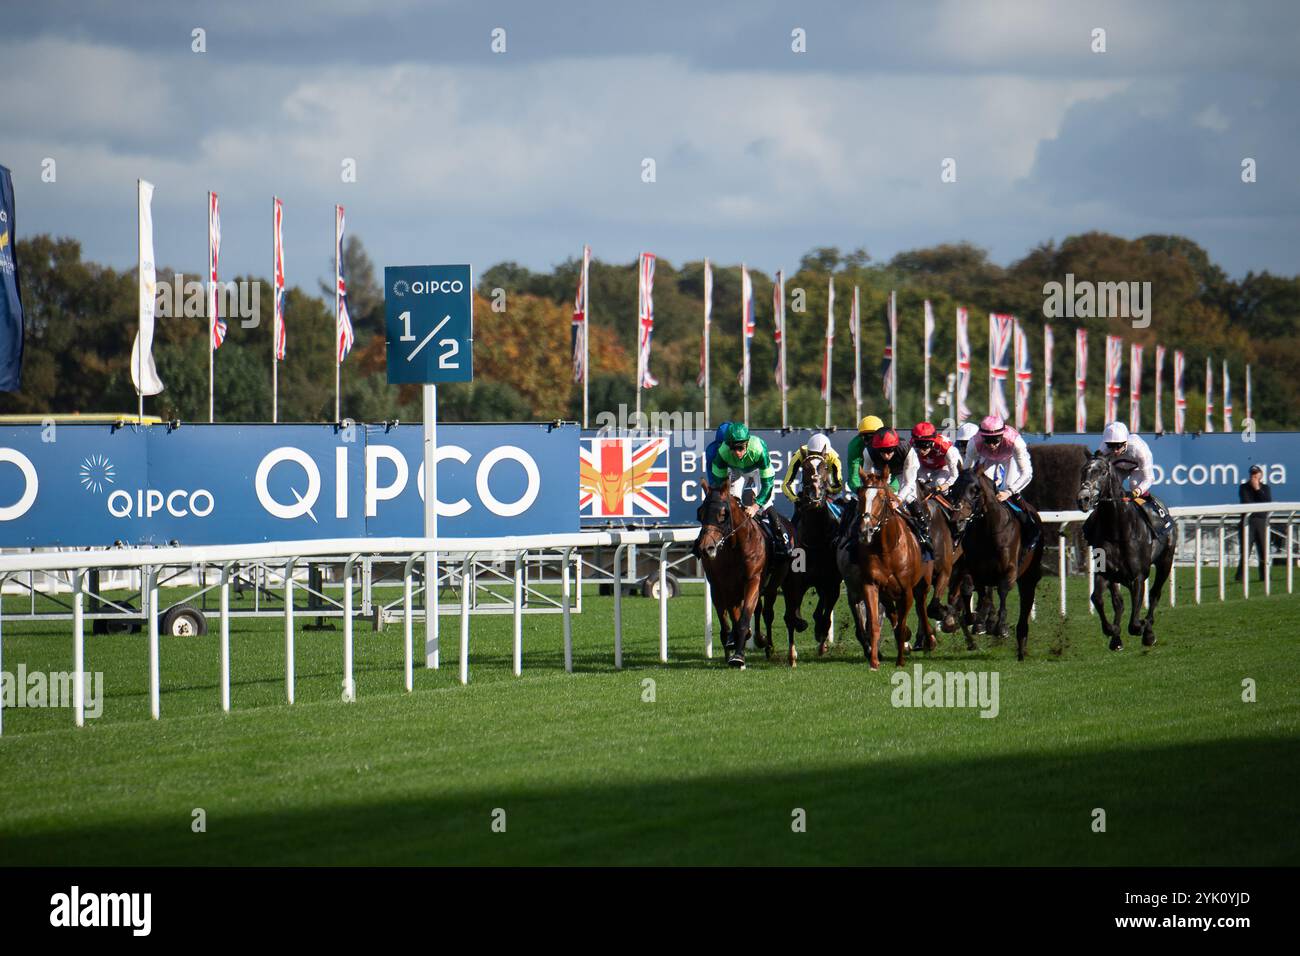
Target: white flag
x=144, y=374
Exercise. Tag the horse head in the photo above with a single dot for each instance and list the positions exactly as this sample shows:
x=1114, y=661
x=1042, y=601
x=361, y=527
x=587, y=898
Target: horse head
x=814, y=482
x=716, y=519
x=873, y=502
x=967, y=498
x=1102, y=479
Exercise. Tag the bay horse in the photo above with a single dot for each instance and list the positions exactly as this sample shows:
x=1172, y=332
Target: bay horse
x=1129, y=547
x=885, y=569
x=946, y=551
x=815, y=566
x=993, y=556
x=733, y=550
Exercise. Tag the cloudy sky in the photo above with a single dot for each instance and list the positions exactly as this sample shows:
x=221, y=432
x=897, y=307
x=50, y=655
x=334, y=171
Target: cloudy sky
x=761, y=153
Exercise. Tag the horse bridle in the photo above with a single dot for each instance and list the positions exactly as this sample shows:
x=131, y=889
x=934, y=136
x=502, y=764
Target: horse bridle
x=804, y=497
x=713, y=549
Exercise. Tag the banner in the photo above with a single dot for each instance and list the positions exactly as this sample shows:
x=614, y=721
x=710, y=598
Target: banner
x=1135, y=388
x=216, y=324
x=1180, y=394
x=830, y=340
x=1024, y=374
x=578, y=335
x=702, y=380
x=963, y=365
x=1114, y=371
x=1209, y=395
x=855, y=332
x=11, y=300
x=1001, y=330
x=342, y=321
x=1080, y=380
x=747, y=326
x=233, y=484
x=645, y=320
x=778, y=325
x=1160, y=374
x=1049, y=416
x=887, y=360
x=929, y=342
x=1227, y=399
x=144, y=374
x=1250, y=415
x=277, y=329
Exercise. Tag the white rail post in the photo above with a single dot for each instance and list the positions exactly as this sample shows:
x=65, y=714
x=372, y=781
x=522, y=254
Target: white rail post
x=432, y=650
x=708, y=620
x=1199, y=558
x=466, y=586
x=1290, y=557
x=663, y=602
x=1173, y=566
x=1060, y=564
x=1245, y=557
x=618, y=606
x=151, y=608
x=349, y=682
x=567, y=554
x=408, y=622
x=519, y=613
x=79, y=646
x=1223, y=581
x=225, y=636
x=3, y=579
x=288, y=630
x=1268, y=557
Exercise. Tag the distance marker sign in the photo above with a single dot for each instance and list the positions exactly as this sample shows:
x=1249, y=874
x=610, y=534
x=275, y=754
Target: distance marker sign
x=429, y=319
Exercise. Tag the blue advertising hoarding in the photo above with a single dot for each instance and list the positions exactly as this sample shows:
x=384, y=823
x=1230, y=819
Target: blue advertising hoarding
x=84, y=485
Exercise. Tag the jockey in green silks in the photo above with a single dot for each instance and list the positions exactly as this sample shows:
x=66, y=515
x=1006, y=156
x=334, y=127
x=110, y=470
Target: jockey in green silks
x=744, y=460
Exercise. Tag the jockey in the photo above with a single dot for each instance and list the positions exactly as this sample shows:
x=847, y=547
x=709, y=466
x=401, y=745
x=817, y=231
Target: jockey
x=858, y=453
x=1118, y=442
x=719, y=439
x=904, y=465
x=1002, y=454
x=937, y=461
x=744, y=458
x=818, y=446
x=965, y=432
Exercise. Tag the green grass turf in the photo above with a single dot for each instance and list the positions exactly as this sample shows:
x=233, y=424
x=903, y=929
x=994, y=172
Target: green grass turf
x=709, y=773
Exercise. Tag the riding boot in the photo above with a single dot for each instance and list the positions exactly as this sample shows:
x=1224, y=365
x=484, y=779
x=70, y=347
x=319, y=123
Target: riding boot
x=921, y=521
x=780, y=546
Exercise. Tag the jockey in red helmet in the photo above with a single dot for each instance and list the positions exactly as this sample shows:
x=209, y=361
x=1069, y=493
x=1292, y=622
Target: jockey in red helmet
x=938, y=462
x=886, y=450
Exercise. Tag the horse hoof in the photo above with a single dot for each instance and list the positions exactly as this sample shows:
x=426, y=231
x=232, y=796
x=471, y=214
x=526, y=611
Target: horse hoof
x=822, y=648
x=768, y=651
x=978, y=629
x=949, y=625
x=1116, y=644
x=935, y=611
x=800, y=626
x=1148, y=640
x=736, y=660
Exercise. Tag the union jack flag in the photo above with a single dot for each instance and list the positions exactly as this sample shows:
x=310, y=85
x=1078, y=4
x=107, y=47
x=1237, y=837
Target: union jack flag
x=579, y=338
x=855, y=323
x=1160, y=374
x=279, y=294
x=1080, y=380
x=646, y=319
x=1024, y=374
x=1049, y=413
x=1209, y=395
x=1227, y=399
x=891, y=339
x=1114, y=368
x=623, y=477
x=1001, y=332
x=703, y=377
x=216, y=324
x=343, y=321
x=1180, y=395
x=778, y=319
x=830, y=341
x=746, y=325
x=1135, y=388
x=963, y=364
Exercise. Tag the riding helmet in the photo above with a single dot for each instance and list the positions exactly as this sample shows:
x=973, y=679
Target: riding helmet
x=992, y=426
x=884, y=438
x=923, y=431
x=819, y=444
x=737, y=433
x=871, y=423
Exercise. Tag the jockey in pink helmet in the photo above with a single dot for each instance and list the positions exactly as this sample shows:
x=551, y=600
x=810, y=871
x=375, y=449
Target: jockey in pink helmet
x=1000, y=452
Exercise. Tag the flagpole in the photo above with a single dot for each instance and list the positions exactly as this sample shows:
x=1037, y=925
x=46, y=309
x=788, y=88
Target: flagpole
x=893, y=366
x=275, y=327
x=586, y=332
x=212, y=320
x=830, y=346
x=927, y=324
x=744, y=343
x=337, y=364
x=857, y=356
x=707, y=292
x=139, y=282
x=784, y=411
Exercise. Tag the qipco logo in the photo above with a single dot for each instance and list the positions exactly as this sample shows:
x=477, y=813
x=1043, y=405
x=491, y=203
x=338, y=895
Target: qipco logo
x=147, y=502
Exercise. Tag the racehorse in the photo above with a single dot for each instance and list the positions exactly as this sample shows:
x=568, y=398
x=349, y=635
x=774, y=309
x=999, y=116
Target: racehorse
x=946, y=552
x=815, y=534
x=993, y=556
x=1129, y=547
x=734, y=552
x=885, y=569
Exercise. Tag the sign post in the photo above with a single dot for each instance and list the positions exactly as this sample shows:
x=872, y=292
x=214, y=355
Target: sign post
x=429, y=318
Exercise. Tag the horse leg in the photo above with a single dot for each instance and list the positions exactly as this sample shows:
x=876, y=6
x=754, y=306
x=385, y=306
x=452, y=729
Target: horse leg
x=859, y=609
x=872, y=595
x=1117, y=605
x=950, y=618
x=964, y=612
x=1099, y=602
x=928, y=641
x=903, y=634
x=1026, y=587
x=984, y=611
x=826, y=599
x=1157, y=587
x=1004, y=588
x=1136, y=591
x=796, y=587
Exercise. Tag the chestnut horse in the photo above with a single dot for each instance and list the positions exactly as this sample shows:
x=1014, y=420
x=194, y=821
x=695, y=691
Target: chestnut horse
x=885, y=569
x=816, y=566
x=733, y=549
x=993, y=556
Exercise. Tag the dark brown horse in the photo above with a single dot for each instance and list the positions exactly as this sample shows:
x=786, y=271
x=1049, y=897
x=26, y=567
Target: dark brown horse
x=814, y=565
x=993, y=556
x=884, y=569
x=734, y=552
x=1128, y=548
x=946, y=551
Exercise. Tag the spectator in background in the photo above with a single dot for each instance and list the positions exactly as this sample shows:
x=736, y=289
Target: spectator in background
x=1252, y=492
